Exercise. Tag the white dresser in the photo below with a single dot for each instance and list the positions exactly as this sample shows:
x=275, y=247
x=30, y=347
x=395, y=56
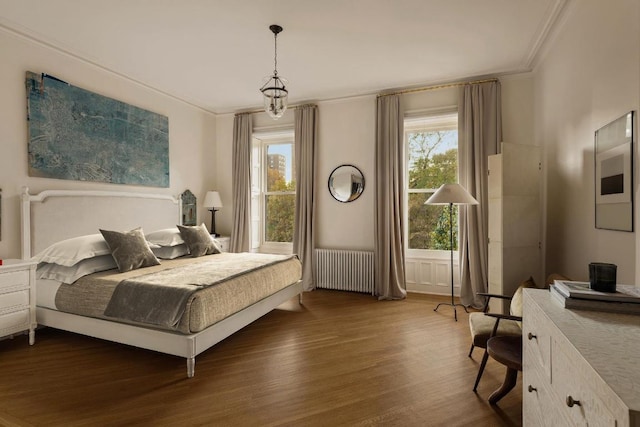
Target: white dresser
x=18, y=298
x=579, y=367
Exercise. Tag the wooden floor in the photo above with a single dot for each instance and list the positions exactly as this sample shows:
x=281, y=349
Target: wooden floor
x=340, y=359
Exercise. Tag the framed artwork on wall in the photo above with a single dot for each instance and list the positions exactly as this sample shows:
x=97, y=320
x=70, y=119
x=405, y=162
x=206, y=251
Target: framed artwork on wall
x=613, y=156
x=80, y=135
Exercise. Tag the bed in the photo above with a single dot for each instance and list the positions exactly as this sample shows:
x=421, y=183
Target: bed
x=55, y=217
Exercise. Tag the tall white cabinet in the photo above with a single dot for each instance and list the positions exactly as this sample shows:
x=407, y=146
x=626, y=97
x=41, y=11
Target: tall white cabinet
x=515, y=220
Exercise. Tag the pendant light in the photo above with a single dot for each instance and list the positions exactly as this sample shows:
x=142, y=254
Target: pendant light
x=274, y=91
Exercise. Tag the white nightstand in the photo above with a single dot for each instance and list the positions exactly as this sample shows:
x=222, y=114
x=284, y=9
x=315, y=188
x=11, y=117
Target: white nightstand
x=223, y=242
x=18, y=298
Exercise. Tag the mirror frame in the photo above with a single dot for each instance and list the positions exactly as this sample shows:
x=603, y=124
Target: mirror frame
x=354, y=195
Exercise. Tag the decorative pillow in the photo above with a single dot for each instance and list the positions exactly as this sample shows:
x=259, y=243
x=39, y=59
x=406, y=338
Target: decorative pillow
x=129, y=249
x=69, y=275
x=198, y=240
x=165, y=237
x=170, y=252
x=516, y=301
x=71, y=251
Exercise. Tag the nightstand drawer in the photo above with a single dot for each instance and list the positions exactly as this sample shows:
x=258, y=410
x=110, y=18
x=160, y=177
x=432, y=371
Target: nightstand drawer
x=14, y=280
x=14, y=322
x=12, y=300
x=223, y=242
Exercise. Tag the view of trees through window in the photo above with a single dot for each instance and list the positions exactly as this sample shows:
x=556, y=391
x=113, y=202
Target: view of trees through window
x=432, y=156
x=280, y=193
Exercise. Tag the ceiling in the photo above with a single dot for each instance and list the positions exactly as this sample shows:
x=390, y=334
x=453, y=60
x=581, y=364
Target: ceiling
x=215, y=54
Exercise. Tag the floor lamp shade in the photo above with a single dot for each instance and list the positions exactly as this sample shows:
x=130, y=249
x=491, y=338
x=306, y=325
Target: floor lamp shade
x=451, y=194
x=213, y=203
x=454, y=194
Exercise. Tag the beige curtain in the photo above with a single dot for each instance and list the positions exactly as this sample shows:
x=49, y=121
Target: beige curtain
x=389, y=272
x=479, y=136
x=306, y=137
x=241, y=184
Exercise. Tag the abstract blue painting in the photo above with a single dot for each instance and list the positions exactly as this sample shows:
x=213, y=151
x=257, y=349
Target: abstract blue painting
x=80, y=135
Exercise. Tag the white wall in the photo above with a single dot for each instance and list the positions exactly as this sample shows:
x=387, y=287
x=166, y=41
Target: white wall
x=588, y=77
x=191, y=130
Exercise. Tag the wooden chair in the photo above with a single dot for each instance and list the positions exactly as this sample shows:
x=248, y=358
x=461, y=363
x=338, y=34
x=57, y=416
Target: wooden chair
x=485, y=325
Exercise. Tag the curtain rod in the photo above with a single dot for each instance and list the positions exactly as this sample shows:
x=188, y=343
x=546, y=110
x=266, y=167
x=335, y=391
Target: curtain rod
x=442, y=86
x=399, y=92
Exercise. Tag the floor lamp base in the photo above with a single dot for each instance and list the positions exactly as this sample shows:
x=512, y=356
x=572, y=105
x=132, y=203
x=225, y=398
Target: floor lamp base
x=455, y=313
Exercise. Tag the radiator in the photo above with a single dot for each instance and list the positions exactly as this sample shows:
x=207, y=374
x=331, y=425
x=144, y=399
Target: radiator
x=344, y=270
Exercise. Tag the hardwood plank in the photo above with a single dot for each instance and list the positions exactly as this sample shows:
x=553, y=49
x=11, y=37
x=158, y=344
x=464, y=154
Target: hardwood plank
x=340, y=359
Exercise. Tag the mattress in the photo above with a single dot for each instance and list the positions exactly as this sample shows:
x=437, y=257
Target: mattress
x=90, y=295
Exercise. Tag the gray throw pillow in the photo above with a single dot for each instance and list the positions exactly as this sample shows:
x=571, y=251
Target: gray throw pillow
x=198, y=240
x=129, y=249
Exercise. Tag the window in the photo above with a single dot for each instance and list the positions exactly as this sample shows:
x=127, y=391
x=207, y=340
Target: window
x=431, y=147
x=273, y=191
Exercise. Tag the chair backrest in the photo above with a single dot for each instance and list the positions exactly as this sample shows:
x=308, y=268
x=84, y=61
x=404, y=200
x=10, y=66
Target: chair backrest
x=515, y=309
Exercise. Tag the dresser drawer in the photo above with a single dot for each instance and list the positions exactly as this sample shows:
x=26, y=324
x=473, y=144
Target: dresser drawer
x=14, y=280
x=536, y=339
x=538, y=408
x=14, y=322
x=12, y=300
x=568, y=382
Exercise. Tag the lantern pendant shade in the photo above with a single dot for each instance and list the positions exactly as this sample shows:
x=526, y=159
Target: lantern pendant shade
x=275, y=97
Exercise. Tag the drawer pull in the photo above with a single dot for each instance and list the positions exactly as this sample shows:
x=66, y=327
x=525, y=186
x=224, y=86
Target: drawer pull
x=531, y=388
x=531, y=336
x=571, y=402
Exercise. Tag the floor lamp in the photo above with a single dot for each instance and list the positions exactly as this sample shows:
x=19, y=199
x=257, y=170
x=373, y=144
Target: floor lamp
x=451, y=194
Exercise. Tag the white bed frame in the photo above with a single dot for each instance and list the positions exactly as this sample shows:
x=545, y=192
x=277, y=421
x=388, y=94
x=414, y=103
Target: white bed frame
x=55, y=215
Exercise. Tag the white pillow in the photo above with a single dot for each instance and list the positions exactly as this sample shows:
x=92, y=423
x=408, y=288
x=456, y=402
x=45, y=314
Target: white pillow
x=66, y=274
x=169, y=252
x=166, y=237
x=71, y=251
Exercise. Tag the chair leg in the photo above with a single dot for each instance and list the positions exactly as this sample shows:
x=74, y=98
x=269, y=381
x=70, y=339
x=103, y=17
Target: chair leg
x=508, y=384
x=471, y=349
x=483, y=363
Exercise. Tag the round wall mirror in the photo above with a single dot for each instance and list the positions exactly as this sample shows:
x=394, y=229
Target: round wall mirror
x=346, y=183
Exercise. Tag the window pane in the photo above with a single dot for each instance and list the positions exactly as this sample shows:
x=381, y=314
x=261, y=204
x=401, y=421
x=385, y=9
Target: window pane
x=433, y=158
x=279, y=214
x=280, y=173
x=429, y=224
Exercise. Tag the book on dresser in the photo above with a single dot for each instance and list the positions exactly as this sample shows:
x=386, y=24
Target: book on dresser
x=577, y=295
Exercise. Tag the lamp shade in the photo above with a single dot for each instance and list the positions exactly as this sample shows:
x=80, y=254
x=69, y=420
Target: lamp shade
x=212, y=200
x=451, y=194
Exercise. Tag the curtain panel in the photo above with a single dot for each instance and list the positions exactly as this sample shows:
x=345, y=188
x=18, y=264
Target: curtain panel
x=389, y=270
x=479, y=136
x=306, y=137
x=241, y=184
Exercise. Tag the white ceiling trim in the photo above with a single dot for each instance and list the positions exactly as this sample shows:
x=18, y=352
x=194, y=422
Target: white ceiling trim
x=29, y=36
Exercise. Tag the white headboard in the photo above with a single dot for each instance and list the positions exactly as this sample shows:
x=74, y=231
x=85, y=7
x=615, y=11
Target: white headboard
x=55, y=215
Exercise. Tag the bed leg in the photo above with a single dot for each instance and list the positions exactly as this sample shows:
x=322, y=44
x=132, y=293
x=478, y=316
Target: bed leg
x=300, y=298
x=191, y=367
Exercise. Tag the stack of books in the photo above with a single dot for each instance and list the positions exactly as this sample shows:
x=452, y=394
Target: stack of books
x=578, y=295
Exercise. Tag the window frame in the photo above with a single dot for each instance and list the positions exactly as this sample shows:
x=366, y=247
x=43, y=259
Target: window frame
x=435, y=120
x=260, y=143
